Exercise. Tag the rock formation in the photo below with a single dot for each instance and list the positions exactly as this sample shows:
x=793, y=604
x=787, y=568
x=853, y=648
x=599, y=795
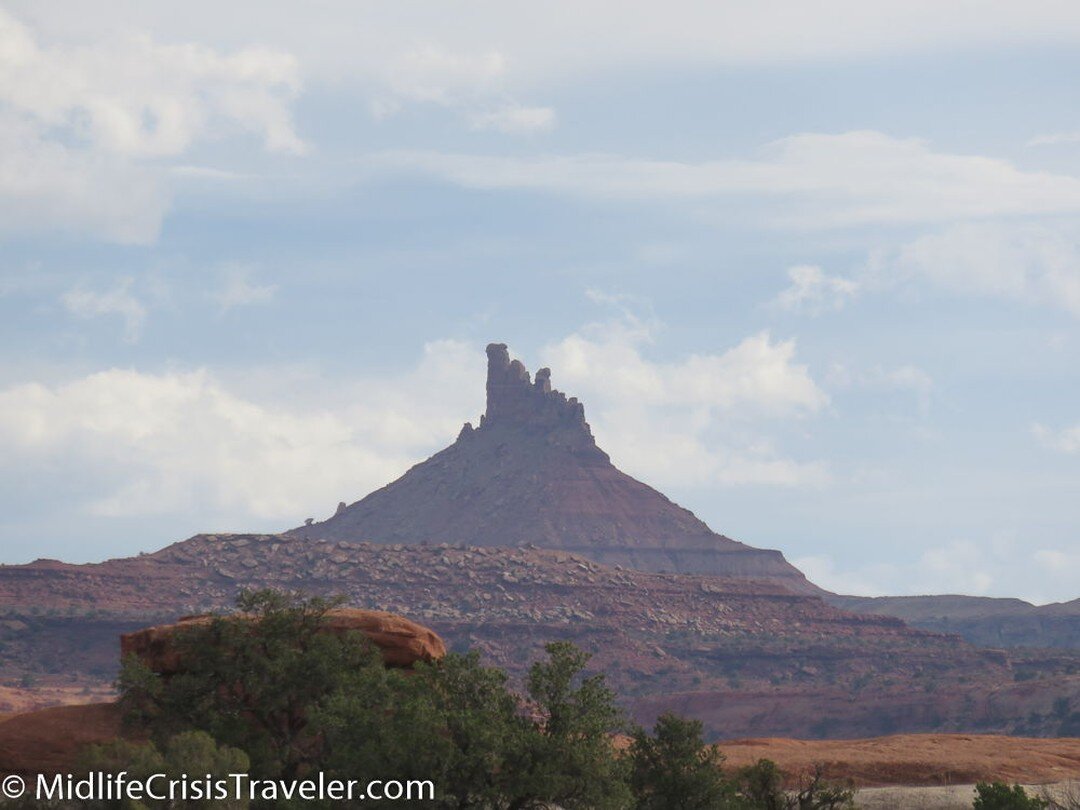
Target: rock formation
x=532, y=474
x=747, y=657
x=401, y=642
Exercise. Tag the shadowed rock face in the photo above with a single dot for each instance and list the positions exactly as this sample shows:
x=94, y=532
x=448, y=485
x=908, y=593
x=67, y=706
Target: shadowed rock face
x=531, y=473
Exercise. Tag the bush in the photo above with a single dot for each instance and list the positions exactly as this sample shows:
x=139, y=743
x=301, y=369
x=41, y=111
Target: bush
x=762, y=784
x=298, y=701
x=673, y=768
x=999, y=796
x=253, y=684
x=194, y=753
x=276, y=697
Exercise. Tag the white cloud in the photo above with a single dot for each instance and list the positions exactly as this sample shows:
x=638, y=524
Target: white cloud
x=814, y=180
x=758, y=376
x=696, y=421
x=471, y=83
x=1029, y=263
x=267, y=448
x=437, y=76
x=822, y=571
x=1060, y=569
x=78, y=123
x=117, y=301
x=240, y=289
x=515, y=120
x=47, y=185
x=814, y=291
x=565, y=38
x=134, y=96
x=174, y=442
x=1066, y=440
x=989, y=566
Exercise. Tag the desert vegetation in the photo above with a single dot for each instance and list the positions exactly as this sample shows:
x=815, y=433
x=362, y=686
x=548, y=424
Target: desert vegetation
x=274, y=697
x=266, y=692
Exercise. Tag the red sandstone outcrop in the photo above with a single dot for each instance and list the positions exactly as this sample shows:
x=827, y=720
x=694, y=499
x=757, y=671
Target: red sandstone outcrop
x=401, y=642
x=531, y=474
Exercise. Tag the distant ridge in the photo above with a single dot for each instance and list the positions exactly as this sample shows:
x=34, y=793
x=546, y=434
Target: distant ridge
x=531, y=474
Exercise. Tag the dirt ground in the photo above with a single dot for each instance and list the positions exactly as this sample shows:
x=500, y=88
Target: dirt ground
x=15, y=699
x=953, y=797
x=50, y=740
x=919, y=759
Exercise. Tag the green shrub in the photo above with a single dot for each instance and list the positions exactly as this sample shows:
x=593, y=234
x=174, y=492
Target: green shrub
x=673, y=768
x=999, y=796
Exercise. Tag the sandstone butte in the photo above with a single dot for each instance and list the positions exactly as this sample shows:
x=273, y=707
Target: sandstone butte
x=49, y=740
x=532, y=474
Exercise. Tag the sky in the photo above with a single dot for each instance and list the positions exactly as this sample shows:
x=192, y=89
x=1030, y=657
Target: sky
x=813, y=267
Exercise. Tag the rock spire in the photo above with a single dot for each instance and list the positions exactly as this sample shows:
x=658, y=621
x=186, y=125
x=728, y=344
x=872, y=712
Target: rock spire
x=531, y=475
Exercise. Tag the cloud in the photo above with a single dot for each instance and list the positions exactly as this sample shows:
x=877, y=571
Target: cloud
x=471, y=83
x=1066, y=440
x=79, y=124
x=813, y=291
x=1025, y=262
x=813, y=180
x=565, y=40
x=1062, y=568
x=287, y=444
x=241, y=290
x=118, y=301
x=190, y=442
x=959, y=566
x=436, y=76
x=698, y=421
x=515, y=120
x=47, y=185
x=758, y=376
x=134, y=96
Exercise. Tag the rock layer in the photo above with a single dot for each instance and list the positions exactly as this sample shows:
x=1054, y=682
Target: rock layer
x=532, y=474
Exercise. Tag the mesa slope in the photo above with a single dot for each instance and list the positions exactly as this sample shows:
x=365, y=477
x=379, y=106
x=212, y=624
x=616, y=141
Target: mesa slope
x=748, y=657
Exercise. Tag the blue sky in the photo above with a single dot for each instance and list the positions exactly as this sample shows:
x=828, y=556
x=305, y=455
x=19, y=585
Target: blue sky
x=813, y=268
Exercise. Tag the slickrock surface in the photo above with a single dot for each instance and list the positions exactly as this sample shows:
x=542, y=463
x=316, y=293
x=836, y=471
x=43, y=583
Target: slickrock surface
x=531, y=473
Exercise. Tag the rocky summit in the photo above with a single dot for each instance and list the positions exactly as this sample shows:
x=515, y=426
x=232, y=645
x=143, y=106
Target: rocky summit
x=531, y=474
